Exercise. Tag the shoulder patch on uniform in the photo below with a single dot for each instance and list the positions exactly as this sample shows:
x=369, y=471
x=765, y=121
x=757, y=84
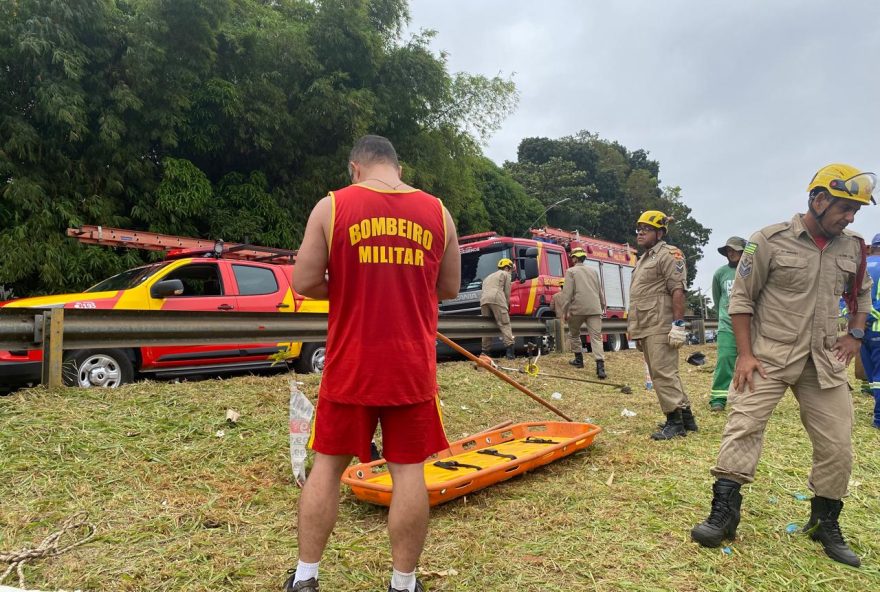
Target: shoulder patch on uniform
x=744, y=269
x=750, y=248
x=674, y=251
x=679, y=265
x=775, y=229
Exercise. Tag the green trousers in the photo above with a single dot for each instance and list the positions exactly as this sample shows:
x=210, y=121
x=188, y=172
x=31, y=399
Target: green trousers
x=724, y=367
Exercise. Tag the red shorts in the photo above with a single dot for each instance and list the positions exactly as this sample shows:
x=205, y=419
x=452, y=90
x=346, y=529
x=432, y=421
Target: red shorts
x=410, y=433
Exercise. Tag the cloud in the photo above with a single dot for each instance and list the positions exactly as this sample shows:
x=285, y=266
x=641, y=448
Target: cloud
x=740, y=102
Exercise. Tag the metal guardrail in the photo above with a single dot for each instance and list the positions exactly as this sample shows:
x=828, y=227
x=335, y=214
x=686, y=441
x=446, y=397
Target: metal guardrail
x=57, y=329
x=24, y=328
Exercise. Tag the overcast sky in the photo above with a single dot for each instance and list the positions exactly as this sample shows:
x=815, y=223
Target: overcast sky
x=740, y=102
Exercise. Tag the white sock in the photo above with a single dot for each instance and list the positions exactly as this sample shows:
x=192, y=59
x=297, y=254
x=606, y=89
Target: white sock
x=403, y=581
x=304, y=571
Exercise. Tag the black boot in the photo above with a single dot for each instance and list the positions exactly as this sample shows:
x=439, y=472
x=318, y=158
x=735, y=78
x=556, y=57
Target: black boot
x=825, y=528
x=687, y=418
x=578, y=361
x=672, y=428
x=509, y=354
x=600, y=369
x=724, y=517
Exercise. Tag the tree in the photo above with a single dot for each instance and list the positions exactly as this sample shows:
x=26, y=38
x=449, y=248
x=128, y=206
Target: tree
x=511, y=209
x=620, y=185
x=220, y=118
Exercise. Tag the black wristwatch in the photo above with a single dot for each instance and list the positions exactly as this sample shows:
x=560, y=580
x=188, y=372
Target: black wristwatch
x=856, y=333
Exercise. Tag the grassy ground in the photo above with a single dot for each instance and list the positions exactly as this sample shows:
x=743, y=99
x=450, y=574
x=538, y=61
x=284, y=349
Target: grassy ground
x=179, y=508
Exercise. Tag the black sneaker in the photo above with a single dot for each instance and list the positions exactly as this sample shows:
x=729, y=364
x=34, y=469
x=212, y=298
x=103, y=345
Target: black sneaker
x=419, y=588
x=310, y=585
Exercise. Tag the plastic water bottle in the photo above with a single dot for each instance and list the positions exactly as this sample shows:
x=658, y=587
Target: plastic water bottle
x=301, y=411
x=649, y=384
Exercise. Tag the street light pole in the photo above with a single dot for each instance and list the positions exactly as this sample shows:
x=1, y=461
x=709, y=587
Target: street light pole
x=550, y=207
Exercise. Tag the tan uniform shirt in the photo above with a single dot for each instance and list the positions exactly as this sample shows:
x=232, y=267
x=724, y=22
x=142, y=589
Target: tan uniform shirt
x=496, y=289
x=792, y=289
x=658, y=273
x=581, y=293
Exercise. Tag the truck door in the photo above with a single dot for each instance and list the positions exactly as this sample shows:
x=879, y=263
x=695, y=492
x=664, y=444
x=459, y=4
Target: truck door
x=206, y=287
x=259, y=288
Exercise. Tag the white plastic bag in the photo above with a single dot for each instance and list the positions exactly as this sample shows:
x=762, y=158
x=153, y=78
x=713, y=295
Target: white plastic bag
x=301, y=411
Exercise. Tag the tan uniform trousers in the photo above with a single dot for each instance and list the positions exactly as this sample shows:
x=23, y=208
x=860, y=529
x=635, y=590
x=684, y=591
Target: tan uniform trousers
x=502, y=319
x=826, y=414
x=662, y=362
x=594, y=328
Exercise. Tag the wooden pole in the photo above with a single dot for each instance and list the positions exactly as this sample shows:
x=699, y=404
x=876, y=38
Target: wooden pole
x=488, y=366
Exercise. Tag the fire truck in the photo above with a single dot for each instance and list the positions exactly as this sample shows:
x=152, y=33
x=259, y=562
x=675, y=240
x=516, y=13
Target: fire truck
x=541, y=262
x=195, y=275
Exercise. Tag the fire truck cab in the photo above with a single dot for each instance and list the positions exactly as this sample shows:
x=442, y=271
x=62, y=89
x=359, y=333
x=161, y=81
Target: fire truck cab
x=540, y=263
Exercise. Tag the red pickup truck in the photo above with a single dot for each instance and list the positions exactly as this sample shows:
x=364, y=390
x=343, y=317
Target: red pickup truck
x=194, y=283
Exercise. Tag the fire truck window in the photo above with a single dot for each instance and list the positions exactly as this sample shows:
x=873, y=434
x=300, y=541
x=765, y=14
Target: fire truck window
x=199, y=279
x=253, y=281
x=478, y=264
x=627, y=280
x=613, y=285
x=554, y=262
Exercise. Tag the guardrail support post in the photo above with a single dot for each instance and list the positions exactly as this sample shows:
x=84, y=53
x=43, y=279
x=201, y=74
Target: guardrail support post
x=557, y=329
x=53, y=347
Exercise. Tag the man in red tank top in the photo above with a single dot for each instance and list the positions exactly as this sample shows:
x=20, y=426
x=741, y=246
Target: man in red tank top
x=384, y=254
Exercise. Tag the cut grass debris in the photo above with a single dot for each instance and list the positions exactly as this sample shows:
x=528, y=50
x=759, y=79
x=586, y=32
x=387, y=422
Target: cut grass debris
x=185, y=500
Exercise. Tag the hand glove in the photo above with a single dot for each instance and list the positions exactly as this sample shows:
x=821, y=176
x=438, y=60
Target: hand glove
x=677, y=336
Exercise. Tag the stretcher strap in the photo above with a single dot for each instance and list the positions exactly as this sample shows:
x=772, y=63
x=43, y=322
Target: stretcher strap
x=493, y=452
x=454, y=465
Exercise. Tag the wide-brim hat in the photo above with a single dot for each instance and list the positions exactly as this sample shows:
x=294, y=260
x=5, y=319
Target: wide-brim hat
x=735, y=242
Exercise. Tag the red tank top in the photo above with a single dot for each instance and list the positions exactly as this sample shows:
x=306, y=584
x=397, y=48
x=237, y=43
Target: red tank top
x=385, y=252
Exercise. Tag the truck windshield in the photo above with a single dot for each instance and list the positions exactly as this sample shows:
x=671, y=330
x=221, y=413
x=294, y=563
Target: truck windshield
x=128, y=279
x=478, y=263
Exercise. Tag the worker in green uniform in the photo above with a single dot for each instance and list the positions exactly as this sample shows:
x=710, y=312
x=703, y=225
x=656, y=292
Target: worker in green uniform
x=722, y=282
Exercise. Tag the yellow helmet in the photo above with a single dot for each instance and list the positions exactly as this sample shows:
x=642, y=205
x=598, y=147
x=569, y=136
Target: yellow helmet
x=653, y=218
x=505, y=263
x=846, y=182
x=579, y=253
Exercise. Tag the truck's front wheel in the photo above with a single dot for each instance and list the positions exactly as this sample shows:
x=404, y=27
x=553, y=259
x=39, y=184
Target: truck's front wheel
x=311, y=358
x=108, y=368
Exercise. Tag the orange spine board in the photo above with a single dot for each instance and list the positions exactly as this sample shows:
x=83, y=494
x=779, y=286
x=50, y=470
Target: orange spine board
x=366, y=479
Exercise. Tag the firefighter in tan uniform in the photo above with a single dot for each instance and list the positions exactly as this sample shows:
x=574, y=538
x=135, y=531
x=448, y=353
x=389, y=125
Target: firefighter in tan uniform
x=655, y=320
x=495, y=303
x=583, y=302
x=784, y=308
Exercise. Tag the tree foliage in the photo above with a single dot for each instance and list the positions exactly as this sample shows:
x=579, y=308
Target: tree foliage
x=231, y=118
x=605, y=187
x=219, y=118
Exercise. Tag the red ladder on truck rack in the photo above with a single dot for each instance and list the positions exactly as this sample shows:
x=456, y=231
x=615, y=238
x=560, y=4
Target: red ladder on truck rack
x=178, y=246
x=572, y=239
